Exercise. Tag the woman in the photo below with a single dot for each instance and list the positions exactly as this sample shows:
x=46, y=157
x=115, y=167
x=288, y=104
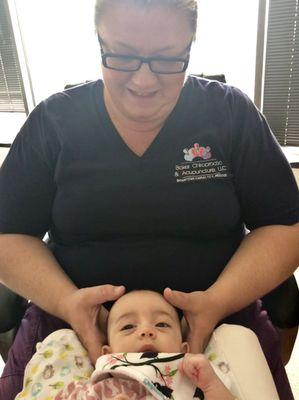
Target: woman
x=146, y=179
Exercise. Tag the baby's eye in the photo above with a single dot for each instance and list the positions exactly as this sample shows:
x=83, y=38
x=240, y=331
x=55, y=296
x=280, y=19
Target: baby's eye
x=128, y=326
x=163, y=325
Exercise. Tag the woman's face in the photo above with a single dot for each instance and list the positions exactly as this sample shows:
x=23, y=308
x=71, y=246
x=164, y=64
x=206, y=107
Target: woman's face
x=126, y=29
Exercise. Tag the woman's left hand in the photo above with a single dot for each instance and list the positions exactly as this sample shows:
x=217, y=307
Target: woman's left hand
x=200, y=314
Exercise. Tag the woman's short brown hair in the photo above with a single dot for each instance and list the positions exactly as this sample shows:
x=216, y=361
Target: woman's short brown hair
x=189, y=6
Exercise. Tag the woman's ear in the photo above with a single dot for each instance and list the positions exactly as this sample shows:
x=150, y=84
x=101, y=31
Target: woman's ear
x=106, y=350
x=185, y=348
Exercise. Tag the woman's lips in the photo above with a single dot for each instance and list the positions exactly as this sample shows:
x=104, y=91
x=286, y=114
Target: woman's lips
x=142, y=95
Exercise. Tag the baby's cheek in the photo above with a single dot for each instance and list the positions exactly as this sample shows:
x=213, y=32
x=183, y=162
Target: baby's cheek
x=122, y=344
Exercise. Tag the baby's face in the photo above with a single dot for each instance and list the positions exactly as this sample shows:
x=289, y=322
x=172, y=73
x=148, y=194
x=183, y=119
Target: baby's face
x=143, y=321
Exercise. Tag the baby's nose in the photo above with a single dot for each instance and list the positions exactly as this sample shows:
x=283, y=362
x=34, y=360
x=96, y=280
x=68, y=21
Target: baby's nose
x=147, y=332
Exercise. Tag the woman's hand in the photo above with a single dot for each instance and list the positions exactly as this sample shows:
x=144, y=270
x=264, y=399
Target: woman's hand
x=200, y=313
x=83, y=310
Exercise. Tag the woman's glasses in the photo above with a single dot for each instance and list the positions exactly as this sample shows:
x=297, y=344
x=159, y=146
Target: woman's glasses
x=158, y=65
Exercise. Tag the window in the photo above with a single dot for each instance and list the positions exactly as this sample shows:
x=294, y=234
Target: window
x=281, y=79
x=12, y=95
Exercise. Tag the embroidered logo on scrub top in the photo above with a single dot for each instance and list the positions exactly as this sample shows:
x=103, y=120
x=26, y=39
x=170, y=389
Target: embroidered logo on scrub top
x=199, y=165
x=197, y=151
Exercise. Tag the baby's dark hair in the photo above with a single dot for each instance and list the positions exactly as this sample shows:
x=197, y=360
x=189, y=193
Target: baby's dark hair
x=109, y=304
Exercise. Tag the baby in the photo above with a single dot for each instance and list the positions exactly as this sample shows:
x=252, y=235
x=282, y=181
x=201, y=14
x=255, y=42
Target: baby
x=142, y=329
x=143, y=321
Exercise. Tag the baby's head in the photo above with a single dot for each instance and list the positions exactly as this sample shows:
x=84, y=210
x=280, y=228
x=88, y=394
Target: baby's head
x=141, y=321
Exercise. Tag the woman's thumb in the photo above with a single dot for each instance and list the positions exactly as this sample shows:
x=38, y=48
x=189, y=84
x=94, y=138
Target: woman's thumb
x=177, y=298
x=101, y=294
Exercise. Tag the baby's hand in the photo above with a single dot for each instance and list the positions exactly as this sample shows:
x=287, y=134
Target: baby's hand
x=197, y=368
x=199, y=371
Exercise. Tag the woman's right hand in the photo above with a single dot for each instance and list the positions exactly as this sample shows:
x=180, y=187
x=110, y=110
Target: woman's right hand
x=201, y=316
x=82, y=308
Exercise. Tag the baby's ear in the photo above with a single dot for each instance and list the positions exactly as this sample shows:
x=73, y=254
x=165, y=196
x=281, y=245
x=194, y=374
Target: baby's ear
x=184, y=328
x=185, y=348
x=106, y=350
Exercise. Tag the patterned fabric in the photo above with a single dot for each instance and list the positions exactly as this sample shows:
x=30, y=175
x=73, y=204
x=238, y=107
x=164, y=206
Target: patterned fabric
x=61, y=370
x=59, y=360
x=106, y=389
x=157, y=372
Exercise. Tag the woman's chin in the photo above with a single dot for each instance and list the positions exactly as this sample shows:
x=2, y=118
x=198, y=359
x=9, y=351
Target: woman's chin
x=142, y=115
x=143, y=109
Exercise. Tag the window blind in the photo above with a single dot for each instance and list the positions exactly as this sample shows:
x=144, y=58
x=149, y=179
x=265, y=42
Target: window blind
x=281, y=79
x=12, y=95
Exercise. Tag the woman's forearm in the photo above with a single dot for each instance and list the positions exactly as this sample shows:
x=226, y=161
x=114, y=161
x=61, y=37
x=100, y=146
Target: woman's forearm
x=266, y=257
x=28, y=268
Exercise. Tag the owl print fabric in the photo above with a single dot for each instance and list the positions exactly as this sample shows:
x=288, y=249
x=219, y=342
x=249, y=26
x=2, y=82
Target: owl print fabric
x=60, y=370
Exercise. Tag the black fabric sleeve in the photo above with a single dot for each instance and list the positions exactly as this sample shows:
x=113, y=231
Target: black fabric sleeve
x=263, y=178
x=27, y=184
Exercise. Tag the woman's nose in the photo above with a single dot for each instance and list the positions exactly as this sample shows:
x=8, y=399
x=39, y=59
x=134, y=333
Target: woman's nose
x=144, y=77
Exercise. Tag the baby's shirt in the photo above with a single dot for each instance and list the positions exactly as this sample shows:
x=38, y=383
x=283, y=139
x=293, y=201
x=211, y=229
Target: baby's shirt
x=157, y=374
x=140, y=376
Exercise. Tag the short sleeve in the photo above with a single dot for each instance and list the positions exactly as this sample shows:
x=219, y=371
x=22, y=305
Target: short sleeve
x=263, y=178
x=27, y=186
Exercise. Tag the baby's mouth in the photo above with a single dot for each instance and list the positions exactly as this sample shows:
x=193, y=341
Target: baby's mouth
x=148, y=348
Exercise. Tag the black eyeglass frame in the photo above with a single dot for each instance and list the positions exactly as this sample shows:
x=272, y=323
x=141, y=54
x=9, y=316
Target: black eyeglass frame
x=144, y=60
